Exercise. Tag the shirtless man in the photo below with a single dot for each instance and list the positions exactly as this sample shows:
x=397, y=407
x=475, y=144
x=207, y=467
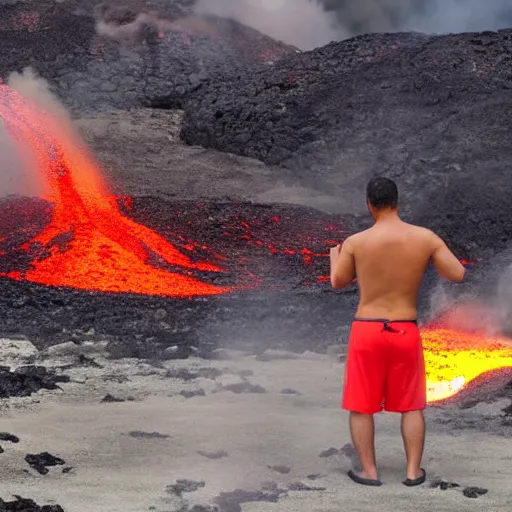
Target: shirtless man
x=385, y=366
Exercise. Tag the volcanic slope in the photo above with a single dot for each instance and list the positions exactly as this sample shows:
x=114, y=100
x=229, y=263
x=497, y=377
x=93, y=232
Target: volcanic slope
x=432, y=112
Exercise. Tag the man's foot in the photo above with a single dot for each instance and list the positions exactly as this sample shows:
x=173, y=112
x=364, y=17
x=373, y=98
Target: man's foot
x=411, y=482
x=359, y=479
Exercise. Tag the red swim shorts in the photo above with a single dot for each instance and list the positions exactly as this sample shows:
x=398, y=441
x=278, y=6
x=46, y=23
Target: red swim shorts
x=385, y=367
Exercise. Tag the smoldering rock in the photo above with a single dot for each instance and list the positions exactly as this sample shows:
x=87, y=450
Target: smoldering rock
x=26, y=380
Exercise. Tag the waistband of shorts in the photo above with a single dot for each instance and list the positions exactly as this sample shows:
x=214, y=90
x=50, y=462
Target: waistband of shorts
x=386, y=320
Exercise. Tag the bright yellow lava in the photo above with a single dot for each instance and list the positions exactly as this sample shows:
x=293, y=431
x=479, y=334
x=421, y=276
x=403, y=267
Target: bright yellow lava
x=453, y=359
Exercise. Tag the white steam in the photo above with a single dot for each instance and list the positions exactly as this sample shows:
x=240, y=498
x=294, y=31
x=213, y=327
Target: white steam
x=429, y=16
x=301, y=23
x=307, y=24
x=19, y=173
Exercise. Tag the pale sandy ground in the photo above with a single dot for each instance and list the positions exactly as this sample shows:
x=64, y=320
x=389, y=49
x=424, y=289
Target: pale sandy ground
x=114, y=472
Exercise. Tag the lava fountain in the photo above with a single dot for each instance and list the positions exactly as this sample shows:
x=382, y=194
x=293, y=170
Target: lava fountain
x=102, y=249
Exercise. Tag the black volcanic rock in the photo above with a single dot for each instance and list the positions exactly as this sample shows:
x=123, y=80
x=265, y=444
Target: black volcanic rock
x=41, y=461
x=20, y=504
x=125, y=55
x=431, y=112
x=25, y=380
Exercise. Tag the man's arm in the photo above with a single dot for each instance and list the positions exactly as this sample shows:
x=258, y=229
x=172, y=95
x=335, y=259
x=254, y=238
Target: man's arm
x=342, y=264
x=445, y=262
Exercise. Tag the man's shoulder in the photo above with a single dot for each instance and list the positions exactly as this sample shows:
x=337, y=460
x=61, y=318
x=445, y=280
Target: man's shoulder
x=420, y=230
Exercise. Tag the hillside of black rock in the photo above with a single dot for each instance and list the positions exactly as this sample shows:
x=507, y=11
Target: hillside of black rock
x=121, y=55
x=432, y=112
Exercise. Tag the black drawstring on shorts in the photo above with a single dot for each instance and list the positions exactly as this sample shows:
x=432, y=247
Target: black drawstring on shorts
x=388, y=328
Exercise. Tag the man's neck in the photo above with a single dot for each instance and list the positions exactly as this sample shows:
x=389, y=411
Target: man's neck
x=386, y=215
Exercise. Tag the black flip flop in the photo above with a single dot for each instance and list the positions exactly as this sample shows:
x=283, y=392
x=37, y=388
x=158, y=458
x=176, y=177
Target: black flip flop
x=363, y=481
x=409, y=482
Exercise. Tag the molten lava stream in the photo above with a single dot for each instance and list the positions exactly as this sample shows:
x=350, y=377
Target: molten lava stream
x=104, y=251
x=453, y=359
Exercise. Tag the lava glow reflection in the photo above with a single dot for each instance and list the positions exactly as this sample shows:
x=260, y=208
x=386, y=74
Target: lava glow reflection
x=453, y=359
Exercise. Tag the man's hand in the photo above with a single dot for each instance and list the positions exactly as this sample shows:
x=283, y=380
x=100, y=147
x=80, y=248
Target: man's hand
x=342, y=264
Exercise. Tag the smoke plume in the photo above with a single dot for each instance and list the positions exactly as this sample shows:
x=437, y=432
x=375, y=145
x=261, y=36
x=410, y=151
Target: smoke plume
x=429, y=16
x=307, y=24
x=19, y=174
x=301, y=23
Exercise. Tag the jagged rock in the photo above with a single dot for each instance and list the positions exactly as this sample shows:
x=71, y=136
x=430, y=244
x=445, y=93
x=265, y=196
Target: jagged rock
x=16, y=351
x=474, y=492
x=439, y=483
x=41, y=461
x=20, y=504
x=63, y=349
x=11, y=438
x=25, y=380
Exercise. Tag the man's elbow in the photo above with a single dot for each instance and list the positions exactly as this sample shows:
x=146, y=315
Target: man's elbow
x=459, y=275
x=338, y=283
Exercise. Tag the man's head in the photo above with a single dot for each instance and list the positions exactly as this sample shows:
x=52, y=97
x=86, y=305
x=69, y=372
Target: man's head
x=381, y=195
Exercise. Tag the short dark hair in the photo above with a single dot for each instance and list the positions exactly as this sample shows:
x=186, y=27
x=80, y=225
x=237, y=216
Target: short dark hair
x=382, y=193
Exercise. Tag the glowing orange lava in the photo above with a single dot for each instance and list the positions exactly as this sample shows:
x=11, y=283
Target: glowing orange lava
x=453, y=359
x=104, y=251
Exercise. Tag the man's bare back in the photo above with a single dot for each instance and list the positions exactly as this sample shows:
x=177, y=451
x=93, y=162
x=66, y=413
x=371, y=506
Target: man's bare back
x=389, y=261
x=385, y=367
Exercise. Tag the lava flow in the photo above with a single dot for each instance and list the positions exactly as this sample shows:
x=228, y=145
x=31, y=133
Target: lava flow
x=453, y=359
x=89, y=244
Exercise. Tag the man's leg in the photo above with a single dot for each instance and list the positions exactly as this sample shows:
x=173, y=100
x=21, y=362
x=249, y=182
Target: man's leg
x=413, y=433
x=362, y=431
